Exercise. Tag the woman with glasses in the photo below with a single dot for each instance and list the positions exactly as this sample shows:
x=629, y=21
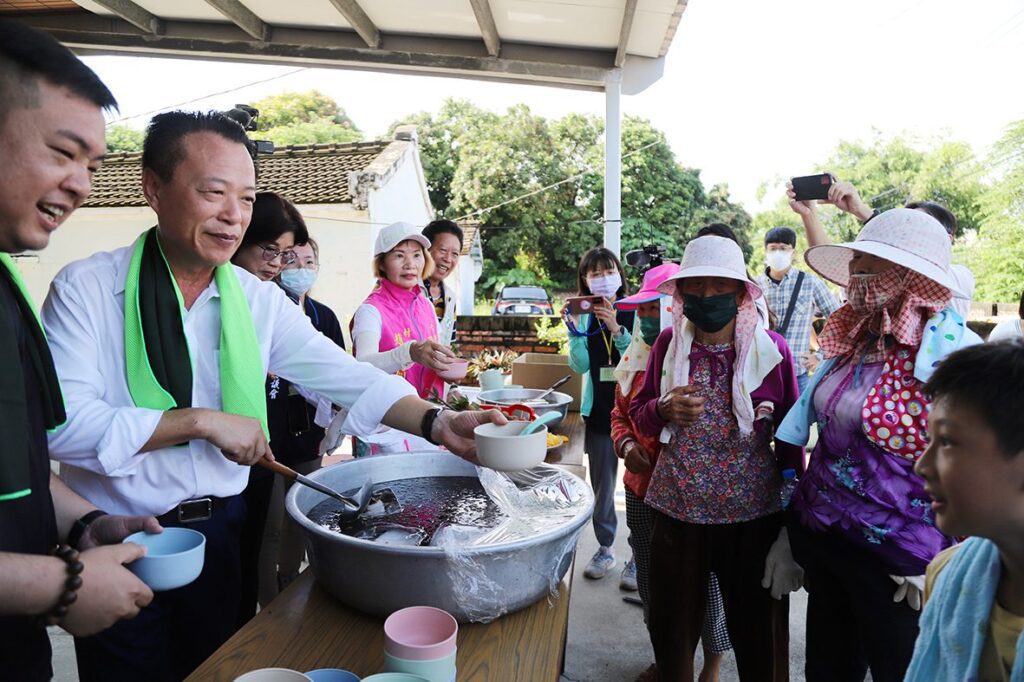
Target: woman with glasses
x=267, y=246
x=275, y=228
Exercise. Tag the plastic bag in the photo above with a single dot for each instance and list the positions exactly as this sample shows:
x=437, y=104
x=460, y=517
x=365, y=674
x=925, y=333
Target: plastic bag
x=534, y=501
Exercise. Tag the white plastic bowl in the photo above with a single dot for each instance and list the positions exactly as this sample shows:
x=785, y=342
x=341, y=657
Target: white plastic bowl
x=503, y=449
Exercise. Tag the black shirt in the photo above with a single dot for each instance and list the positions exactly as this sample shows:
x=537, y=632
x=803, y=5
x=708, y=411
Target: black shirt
x=600, y=418
x=294, y=437
x=28, y=524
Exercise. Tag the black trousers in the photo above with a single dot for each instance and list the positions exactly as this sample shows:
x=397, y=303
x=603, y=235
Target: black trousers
x=180, y=628
x=682, y=557
x=852, y=622
x=257, y=504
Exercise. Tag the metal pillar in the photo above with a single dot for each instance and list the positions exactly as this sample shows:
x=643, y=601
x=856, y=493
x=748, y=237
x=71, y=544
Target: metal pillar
x=612, y=162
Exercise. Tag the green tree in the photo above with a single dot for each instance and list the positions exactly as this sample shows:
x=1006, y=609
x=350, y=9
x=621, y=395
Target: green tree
x=124, y=138
x=997, y=255
x=304, y=118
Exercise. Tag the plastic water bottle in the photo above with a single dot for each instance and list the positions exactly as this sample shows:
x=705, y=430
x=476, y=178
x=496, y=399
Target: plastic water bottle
x=789, y=482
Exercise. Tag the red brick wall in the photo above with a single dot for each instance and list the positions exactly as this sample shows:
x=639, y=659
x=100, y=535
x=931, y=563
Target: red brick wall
x=518, y=333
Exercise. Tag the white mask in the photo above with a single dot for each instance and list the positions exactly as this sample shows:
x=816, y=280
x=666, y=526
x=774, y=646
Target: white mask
x=298, y=281
x=779, y=260
x=605, y=285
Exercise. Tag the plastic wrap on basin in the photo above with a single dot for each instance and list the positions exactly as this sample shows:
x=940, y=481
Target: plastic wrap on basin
x=380, y=579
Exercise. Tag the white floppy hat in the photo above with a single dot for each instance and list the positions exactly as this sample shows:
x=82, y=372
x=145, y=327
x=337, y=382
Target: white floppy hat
x=712, y=256
x=396, y=233
x=905, y=236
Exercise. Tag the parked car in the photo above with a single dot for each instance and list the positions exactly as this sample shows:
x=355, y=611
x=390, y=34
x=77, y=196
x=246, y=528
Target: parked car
x=523, y=301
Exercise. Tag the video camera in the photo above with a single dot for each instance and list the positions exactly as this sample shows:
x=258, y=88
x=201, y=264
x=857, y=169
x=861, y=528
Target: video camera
x=245, y=116
x=646, y=257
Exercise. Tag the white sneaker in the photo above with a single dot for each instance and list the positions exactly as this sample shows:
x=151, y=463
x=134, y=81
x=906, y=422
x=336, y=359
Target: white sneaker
x=602, y=562
x=627, y=581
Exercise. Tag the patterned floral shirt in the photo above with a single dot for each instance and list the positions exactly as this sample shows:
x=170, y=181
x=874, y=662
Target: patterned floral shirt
x=709, y=473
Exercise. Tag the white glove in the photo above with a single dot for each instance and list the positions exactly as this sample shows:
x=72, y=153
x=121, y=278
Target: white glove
x=910, y=587
x=782, y=574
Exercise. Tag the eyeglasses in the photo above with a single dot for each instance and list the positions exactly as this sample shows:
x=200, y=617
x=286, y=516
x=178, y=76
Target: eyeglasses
x=271, y=254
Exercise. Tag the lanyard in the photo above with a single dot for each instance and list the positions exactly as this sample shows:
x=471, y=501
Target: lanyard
x=607, y=338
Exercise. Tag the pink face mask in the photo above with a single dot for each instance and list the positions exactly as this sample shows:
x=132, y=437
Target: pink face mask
x=871, y=293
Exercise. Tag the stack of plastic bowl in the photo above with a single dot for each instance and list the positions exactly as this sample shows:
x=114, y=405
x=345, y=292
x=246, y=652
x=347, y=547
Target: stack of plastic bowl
x=420, y=640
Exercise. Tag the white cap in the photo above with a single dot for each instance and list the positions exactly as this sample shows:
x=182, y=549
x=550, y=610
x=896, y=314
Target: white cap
x=396, y=233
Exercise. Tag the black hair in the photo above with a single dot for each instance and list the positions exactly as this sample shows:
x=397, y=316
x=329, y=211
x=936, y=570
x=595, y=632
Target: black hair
x=599, y=258
x=437, y=227
x=273, y=216
x=1020, y=310
x=28, y=54
x=718, y=230
x=780, y=235
x=986, y=378
x=939, y=212
x=163, y=151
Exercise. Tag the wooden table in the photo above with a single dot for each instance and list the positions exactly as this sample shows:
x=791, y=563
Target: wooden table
x=305, y=628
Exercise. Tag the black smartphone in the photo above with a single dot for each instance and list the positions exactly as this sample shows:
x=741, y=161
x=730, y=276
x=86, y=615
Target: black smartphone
x=809, y=187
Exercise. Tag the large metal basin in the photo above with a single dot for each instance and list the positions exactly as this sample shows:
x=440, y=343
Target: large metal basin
x=380, y=579
x=556, y=402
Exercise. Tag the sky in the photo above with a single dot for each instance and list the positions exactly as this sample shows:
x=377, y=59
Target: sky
x=753, y=91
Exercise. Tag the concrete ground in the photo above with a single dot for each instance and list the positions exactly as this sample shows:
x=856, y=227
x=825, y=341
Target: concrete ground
x=608, y=641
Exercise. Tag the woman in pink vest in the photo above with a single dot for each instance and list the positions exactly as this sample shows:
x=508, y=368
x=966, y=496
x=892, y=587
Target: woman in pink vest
x=395, y=328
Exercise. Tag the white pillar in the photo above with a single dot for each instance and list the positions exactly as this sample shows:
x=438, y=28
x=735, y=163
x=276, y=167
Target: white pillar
x=612, y=162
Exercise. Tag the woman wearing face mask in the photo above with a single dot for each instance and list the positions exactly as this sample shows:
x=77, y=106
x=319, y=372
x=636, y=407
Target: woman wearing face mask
x=395, y=328
x=640, y=453
x=862, y=526
x=712, y=384
x=596, y=342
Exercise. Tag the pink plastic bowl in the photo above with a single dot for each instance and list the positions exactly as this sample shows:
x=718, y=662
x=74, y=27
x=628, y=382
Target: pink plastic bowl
x=456, y=370
x=420, y=633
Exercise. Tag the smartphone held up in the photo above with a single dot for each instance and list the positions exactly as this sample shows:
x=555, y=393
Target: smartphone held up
x=811, y=187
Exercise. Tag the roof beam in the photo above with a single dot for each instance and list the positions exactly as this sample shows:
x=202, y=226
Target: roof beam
x=359, y=20
x=242, y=17
x=489, y=30
x=577, y=68
x=134, y=15
x=627, y=28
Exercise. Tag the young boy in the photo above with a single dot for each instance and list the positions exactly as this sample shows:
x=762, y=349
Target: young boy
x=974, y=471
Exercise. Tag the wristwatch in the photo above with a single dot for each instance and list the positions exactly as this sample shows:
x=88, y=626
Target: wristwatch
x=79, y=527
x=427, y=425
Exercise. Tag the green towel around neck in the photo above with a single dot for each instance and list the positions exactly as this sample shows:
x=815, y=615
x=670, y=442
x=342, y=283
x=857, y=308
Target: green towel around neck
x=15, y=481
x=157, y=359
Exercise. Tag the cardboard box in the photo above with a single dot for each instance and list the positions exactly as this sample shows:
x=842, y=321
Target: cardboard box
x=540, y=370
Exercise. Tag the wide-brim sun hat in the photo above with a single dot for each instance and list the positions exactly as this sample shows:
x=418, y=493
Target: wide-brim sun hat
x=904, y=236
x=396, y=233
x=712, y=256
x=649, y=288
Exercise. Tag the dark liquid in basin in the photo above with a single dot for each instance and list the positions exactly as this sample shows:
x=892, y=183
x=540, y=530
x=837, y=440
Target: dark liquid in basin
x=428, y=503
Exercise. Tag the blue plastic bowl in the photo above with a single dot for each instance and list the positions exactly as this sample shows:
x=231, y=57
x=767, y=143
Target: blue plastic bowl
x=332, y=675
x=173, y=558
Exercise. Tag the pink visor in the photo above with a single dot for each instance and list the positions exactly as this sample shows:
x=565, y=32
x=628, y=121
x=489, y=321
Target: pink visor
x=653, y=278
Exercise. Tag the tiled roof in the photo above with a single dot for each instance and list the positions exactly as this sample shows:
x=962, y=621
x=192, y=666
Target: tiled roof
x=305, y=174
x=469, y=230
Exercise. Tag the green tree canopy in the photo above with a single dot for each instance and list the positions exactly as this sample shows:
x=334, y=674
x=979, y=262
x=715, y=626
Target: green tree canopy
x=124, y=138
x=304, y=118
x=542, y=185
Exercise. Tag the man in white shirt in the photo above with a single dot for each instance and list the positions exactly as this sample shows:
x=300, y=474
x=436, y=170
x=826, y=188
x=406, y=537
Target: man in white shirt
x=843, y=195
x=162, y=349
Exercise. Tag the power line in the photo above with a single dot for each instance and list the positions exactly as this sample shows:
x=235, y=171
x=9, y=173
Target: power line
x=215, y=94
x=587, y=171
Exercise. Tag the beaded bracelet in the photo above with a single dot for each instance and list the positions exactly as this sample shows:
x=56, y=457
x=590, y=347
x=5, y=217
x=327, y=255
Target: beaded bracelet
x=74, y=568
